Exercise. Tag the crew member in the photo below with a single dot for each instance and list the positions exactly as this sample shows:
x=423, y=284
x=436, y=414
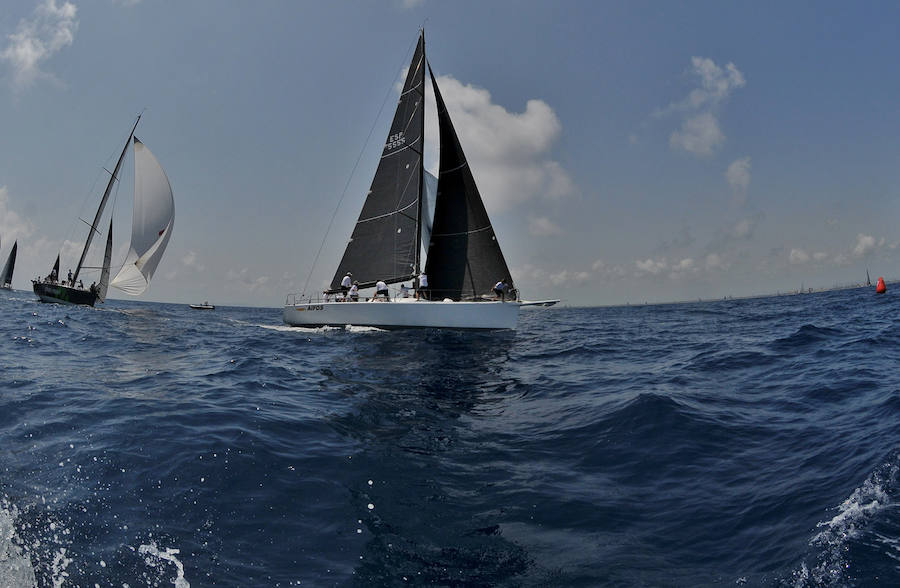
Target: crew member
x=500, y=290
x=381, y=289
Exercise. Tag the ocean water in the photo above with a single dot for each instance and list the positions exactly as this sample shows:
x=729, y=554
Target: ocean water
x=740, y=442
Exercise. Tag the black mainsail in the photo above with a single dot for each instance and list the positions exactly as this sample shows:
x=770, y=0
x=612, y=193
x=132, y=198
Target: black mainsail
x=464, y=258
x=385, y=241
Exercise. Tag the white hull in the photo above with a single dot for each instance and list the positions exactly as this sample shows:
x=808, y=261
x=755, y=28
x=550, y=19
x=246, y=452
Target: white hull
x=403, y=313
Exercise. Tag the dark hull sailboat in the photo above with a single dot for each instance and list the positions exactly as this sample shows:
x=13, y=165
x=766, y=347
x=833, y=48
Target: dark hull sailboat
x=154, y=217
x=61, y=294
x=464, y=260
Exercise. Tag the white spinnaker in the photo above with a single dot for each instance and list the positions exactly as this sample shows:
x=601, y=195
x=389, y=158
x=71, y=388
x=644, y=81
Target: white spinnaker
x=152, y=222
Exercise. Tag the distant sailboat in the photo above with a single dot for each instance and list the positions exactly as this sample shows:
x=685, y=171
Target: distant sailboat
x=152, y=223
x=464, y=259
x=868, y=279
x=7, y=273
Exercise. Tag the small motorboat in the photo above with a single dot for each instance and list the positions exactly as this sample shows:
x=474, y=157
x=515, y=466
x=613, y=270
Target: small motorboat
x=205, y=306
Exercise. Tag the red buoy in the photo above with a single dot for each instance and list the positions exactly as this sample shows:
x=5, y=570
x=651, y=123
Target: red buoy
x=880, y=288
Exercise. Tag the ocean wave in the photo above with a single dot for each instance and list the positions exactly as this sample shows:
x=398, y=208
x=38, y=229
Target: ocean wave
x=841, y=539
x=804, y=336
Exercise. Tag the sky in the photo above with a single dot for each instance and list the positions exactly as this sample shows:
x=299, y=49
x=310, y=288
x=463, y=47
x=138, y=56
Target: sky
x=627, y=152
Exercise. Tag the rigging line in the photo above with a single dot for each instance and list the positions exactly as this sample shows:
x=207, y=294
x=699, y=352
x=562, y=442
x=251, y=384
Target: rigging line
x=352, y=171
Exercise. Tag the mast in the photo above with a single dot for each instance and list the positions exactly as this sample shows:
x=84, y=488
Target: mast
x=112, y=180
x=419, y=218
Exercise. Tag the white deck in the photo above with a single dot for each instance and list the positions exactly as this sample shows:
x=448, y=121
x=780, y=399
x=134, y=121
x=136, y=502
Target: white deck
x=404, y=313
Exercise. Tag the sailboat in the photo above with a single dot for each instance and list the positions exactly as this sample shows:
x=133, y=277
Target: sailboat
x=464, y=261
x=868, y=279
x=8, y=267
x=152, y=222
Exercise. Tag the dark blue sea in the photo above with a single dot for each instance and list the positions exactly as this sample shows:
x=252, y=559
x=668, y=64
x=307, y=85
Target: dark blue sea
x=729, y=443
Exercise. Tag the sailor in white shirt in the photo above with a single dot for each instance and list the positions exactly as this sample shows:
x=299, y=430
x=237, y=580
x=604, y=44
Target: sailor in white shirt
x=346, y=283
x=423, y=287
x=381, y=289
x=354, y=292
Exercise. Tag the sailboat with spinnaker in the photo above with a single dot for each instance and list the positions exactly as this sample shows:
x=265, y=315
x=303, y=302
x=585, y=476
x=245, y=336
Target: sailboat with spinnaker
x=464, y=261
x=152, y=223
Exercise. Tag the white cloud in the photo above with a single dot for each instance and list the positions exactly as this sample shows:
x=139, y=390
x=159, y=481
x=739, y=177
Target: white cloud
x=820, y=256
x=738, y=176
x=714, y=261
x=542, y=226
x=726, y=238
x=865, y=245
x=699, y=135
x=50, y=29
x=12, y=225
x=683, y=265
x=676, y=270
x=652, y=266
x=569, y=277
x=743, y=229
x=715, y=83
x=509, y=152
x=190, y=262
x=247, y=283
x=536, y=278
x=409, y=4
x=798, y=256
x=700, y=132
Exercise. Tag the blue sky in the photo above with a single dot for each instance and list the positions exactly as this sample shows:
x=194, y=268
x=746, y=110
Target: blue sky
x=627, y=152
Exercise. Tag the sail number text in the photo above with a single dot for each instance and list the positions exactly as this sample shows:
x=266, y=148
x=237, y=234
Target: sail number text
x=395, y=141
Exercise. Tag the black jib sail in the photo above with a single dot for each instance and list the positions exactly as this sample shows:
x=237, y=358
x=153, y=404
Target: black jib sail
x=384, y=242
x=7, y=273
x=54, y=273
x=464, y=257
